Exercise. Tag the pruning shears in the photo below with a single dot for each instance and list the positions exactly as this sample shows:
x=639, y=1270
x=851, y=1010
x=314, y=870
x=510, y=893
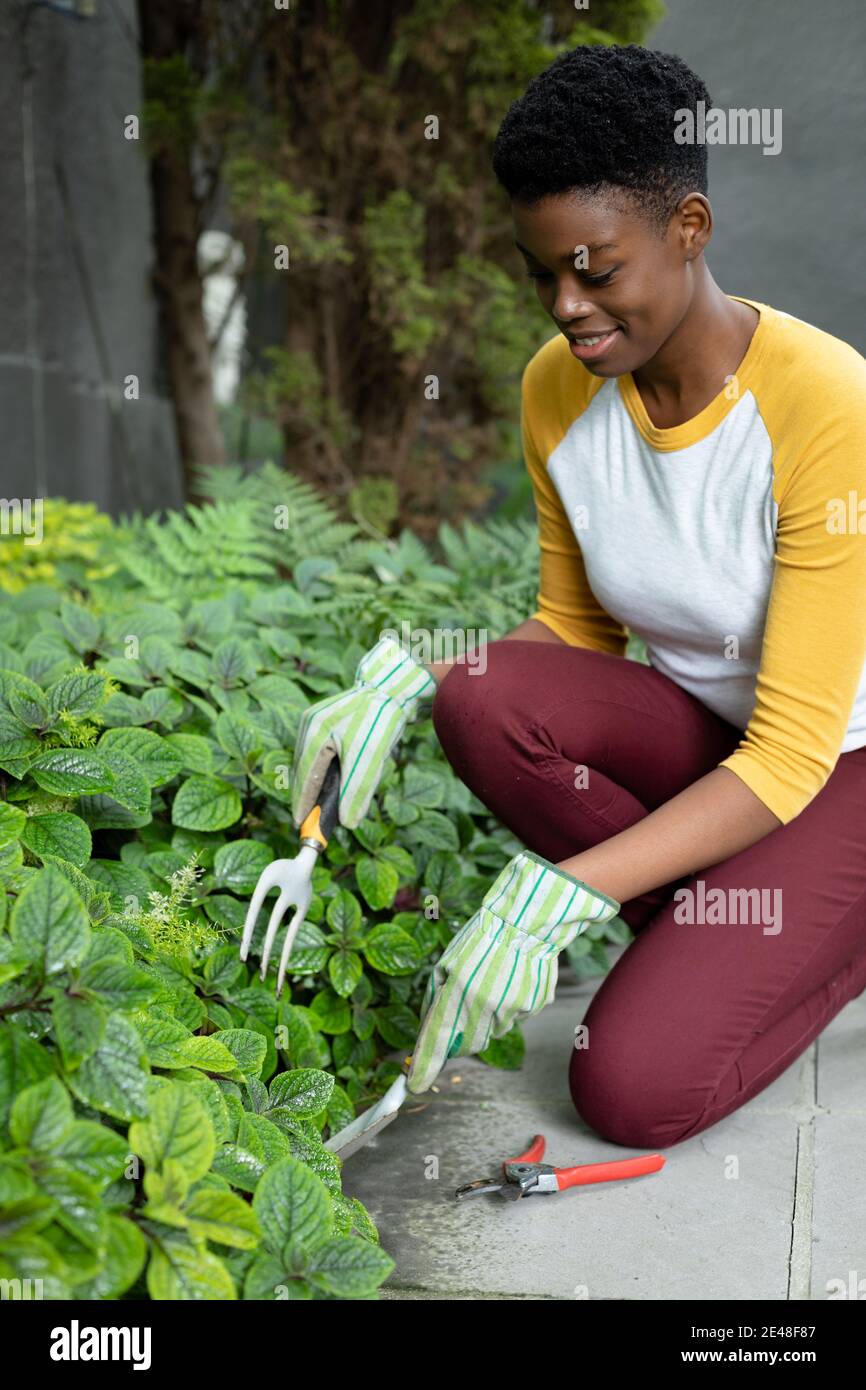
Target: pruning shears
x=526, y=1175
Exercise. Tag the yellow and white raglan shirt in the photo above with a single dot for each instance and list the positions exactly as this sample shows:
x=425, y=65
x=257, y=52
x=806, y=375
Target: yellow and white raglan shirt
x=733, y=544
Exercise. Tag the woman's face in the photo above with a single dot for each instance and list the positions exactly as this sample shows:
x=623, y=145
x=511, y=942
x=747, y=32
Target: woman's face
x=605, y=271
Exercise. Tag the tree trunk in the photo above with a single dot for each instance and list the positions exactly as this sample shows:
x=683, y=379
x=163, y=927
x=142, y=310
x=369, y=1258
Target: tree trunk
x=165, y=28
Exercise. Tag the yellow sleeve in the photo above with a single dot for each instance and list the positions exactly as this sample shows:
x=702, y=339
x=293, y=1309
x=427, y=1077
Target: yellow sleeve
x=814, y=645
x=566, y=603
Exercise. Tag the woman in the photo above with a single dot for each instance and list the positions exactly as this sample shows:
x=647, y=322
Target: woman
x=698, y=463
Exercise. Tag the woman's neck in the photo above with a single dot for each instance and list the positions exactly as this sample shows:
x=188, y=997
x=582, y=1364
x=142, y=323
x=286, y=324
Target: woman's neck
x=702, y=353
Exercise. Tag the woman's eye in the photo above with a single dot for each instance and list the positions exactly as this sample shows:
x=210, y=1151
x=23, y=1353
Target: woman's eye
x=602, y=279
x=538, y=274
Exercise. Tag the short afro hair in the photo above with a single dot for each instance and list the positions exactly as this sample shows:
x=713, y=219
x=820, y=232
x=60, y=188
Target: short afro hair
x=604, y=117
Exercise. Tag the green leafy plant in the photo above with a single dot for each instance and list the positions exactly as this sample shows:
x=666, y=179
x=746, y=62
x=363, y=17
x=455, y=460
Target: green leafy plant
x=162, y=1115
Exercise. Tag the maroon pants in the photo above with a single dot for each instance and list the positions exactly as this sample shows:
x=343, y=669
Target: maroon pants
x=695, y=1017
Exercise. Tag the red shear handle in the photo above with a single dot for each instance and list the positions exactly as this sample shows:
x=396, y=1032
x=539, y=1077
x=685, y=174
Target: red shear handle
x=534, y=1154
x=606, y=1172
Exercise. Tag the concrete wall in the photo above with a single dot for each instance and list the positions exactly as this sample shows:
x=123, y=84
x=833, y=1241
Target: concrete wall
x=77, y=310
x=790, y=227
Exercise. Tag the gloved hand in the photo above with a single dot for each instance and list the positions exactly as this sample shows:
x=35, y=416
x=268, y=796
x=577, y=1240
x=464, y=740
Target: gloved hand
x=503, y=964
x=361, y=726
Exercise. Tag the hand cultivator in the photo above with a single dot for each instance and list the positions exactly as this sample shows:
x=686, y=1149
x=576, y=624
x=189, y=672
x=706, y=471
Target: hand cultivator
x=294, y=878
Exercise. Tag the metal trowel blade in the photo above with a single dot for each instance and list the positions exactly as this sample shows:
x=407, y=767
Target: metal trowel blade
x=361, y=1130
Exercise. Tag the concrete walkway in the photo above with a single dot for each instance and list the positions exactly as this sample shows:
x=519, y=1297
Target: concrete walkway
x=793, y=1220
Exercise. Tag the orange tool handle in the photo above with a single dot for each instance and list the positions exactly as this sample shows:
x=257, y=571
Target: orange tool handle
x=607, y=1172
x=534, y=1154
x=319, y=824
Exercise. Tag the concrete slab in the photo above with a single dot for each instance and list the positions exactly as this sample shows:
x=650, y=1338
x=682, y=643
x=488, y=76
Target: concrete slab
x=842, y=1061
x=839, y=1208
x=692, y=1231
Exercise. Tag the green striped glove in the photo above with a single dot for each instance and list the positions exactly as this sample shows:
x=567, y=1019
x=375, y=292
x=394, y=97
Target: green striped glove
x=360, y=726
x=503, y=964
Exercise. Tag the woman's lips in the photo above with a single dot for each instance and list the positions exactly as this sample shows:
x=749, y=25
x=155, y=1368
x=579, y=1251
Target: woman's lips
x=589, y=352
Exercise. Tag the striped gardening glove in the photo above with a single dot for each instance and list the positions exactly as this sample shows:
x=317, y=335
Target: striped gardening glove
x=503, y=964
x=360, y=726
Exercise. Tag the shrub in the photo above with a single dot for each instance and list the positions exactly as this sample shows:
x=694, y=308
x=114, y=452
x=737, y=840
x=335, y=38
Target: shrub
x=163, y=1115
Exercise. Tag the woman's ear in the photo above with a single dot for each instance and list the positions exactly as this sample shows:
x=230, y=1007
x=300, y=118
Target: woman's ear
x=694, y=223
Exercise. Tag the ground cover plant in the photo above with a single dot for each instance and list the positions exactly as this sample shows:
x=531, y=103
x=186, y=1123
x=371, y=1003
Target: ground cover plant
x=162, y=1115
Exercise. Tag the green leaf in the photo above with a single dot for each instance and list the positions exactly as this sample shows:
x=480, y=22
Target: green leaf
x=331, y=1014
x=206, y=803
x=180, y=1272
x=390, y=949
x=442, y=874
x=398, y=1025
x=223, y=970
x=94, y=1150
x=378, y=881
x=241, y=1168
x=268, y=1277
x=310, y=951
x=118, y=984
x=506, y=1052
x=292, y=1205
x=12, y=822
x=259, y=1135
x=95, y=899
x=109, y=943
x=425, y=784
x=401, y=860
x=340, y=1110
x=72, y=772
x=349, y=1267
x=231, y=663
x=223, y=1217
x=78, y=1027
x=22, y=1063
x=78, y=1200
x=131, y=787
x=434, y=830
x=11, y=860
x=237, y=737
x=177, y=1127
x=303, y=1092
x=114, y=1079
x=78, y=693
x=345, y=969
x=398, y=810
x=163, y=705
x=344, y=913
x=248, y=1048
x=122, y=1260
x=41, y=1115
x=207, y=1054
x=121, y=880
x=60, y=833
x=121, y=710
x=83, y=629
x=17, y=742
x=27, y=700
x=195, y=752
x=49, y=923
x=154, y=756
x=238, y=864
x=211, y=1097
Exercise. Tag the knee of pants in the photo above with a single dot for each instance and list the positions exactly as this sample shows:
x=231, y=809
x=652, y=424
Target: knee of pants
x=463, y=710
x=626, y=1094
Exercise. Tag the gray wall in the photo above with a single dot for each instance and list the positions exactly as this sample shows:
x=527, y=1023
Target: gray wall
x=790, y=227
x=77, y=311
